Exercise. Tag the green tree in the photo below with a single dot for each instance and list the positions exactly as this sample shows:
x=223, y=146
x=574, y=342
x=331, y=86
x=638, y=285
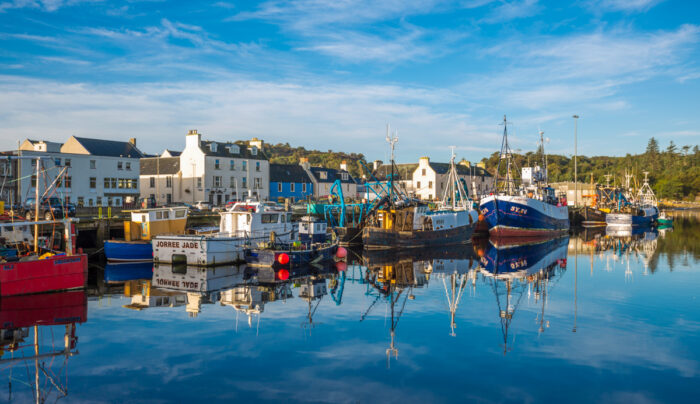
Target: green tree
x=653, y=147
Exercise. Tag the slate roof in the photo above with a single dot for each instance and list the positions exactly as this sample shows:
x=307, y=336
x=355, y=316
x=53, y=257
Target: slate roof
x=173, y=153
x=288, y=173
x=332, y=175
x=166, y=166
x=110, y=148
x=404, y=171
x=222, y=151
x=444, y=168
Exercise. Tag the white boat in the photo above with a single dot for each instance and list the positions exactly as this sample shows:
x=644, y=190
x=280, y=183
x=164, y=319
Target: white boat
x=244, y=225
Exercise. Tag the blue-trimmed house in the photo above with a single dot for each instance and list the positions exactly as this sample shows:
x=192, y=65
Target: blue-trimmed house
x=290, y=181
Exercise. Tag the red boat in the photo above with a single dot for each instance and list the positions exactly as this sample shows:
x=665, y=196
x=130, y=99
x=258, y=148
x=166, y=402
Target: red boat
x=45, y=309
x=49, y=272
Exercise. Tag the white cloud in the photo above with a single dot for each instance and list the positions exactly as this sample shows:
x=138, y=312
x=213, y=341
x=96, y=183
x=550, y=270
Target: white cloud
x=323, y=116
x=623, y=5
x=44, y=5
x=512, y=10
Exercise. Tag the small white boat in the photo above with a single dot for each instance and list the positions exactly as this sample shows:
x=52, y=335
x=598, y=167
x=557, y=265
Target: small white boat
x=245, y=224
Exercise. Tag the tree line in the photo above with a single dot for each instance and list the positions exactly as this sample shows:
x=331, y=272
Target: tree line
x=674, y=172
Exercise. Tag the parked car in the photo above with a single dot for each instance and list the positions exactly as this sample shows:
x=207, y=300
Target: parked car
x=49, y=208
x=202, y=205
x=70, y=209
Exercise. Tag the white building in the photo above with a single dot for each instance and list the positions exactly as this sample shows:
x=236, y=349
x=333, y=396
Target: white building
x=95, y=172
x=207, y=171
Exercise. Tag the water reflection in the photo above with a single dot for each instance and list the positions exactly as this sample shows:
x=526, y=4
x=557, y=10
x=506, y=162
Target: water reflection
x=434, y=317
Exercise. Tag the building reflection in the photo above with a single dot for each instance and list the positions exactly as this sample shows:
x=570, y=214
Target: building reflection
x=30, y=342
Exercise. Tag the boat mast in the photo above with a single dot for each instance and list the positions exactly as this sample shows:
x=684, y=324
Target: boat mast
x=505, y=154
x=392, y=144
x=36, y=206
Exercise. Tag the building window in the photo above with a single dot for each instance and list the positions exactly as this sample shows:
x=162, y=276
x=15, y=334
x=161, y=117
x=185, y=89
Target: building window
x=119, y=166
x=99, y=201
x=152, y=182
x=168, y=182
x=423, y=172
x=232, y=165
x=128, y=166
x=257, y=183
x=323, y=175
x=244, y=165
x=303, y=187
x=418, y=184
x=106, y=185
x=134, y=183
x=68, y=182
x=279, y=187
x=114, y=182
x=57, y=161
x=93, y=165
x=344, y=176
x=217, y=181
x=216, y=164
x=121, y=183
x=244, y=182
x=67, y=162
x=199, y=182
x=430, y=185
x=291, y=187
x=233, y=182
x=254, y=151
x=34, y=181
x=257, y=166
x=169, y=199
x=93, y=182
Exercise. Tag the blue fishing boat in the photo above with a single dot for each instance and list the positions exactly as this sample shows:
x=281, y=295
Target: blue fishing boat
x=641, y=211
x=144, y=225
x=529, y=210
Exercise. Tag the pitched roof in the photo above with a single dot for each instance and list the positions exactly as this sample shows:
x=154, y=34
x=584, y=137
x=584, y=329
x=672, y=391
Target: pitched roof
x=402, y=172
x=110, y=148
x=331, y=175
x=444, y=168
x=288, y=173
x=160, y=165
x=222, y=150
x=172, y=153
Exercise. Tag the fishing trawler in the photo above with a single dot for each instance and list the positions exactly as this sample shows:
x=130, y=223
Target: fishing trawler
x=406, y=223
x=529, y=210
x=145, y=224
x=244, y=224
x=643, y=211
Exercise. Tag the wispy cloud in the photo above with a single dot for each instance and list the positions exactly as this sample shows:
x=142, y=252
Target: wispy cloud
x=623, y=5
x=512, y=10
x=45, y=5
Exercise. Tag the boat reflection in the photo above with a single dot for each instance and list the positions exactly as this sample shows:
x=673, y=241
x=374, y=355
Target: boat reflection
x=37, y=315
x=518, y=268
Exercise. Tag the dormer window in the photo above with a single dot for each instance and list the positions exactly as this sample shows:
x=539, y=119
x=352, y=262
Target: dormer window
x=344, y=176
x=323, y=175
x=233, y=149
x=213, y=147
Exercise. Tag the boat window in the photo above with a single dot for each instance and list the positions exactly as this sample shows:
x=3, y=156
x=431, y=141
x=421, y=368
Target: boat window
x=180, y=213
x=284, y=218
x=289, y=217
x=166, y=215
x=143, y=218
x=269, y=218
x=159, y=215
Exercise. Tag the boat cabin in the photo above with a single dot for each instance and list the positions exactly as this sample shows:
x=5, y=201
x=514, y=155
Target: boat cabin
x=312, y=230
x=256, y=220
x=148, y=223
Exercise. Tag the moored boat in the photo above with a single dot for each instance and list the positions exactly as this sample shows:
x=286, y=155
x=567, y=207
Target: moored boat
x=642, y=211
x=529, y=210
x=143, y=226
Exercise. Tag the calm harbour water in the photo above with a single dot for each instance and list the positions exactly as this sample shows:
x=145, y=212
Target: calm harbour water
x=590, y=318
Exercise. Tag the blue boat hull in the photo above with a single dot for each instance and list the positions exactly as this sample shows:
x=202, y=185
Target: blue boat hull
x=526, y=258
x=126, y=251
x=523, y=217
x=631, y=220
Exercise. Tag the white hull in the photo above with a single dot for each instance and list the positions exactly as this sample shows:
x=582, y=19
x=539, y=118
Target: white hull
x=198, y=250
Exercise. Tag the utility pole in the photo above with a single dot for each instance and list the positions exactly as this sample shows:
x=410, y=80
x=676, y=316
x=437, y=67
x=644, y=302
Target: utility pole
x=575, y=160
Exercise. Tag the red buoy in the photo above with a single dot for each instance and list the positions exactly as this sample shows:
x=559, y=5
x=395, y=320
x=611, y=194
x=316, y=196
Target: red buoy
x=283, y=274
x=341, y=253
x=341, y=266
x=283, y=259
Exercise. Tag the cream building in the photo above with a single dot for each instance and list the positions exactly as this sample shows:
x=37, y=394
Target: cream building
x=207, y=171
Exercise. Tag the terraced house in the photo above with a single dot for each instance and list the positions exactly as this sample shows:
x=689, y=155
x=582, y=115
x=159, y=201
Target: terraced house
x=93, y=172
x=209, y=171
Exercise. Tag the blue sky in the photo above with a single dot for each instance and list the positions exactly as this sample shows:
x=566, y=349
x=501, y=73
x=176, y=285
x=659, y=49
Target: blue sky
x=331, y=74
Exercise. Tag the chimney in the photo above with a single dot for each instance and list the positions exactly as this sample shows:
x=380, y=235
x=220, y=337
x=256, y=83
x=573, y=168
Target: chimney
x=376, y=164
x=465, y=163
x=256, y=142
x=344, y=165
x=193, y=139
x=304, y=162
x=132, y=140
x=424, y=161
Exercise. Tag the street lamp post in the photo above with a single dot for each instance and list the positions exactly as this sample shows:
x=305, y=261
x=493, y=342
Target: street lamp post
x=575, y=160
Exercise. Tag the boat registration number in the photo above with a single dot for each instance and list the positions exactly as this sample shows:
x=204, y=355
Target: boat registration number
x=518, y=210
